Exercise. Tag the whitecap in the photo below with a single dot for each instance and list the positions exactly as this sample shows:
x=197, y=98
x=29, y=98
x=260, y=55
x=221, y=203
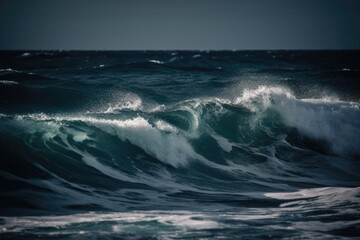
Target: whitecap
x=129, y=102
x=179, y=219
x=156, y=61
x=26, y=54
x=172, y=149
x=9, y=70
x=327, y=119
x=100, y=66
x=8, y=82
x=320, y=197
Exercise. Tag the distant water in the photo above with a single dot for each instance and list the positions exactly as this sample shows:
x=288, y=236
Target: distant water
x=179, y=144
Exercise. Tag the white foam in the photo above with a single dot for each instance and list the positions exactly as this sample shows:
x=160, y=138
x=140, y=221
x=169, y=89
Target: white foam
x=195, y=119
x=157, y=108
x=315, y=192
x=260, y=98
x=179, y=219
x=156, y=61
x=129, y=103
x=100, y=66
x=327, y=119
x=125, y=101
x=78, y=136
x=49, y=130
x=177, y=224
x=164, y=126
x=120, y=101
x=8, y=82
x=320, y=197
x=223, y=142
x=170, y=148
x=195, y=108
x=26, y=54
x=9, y=70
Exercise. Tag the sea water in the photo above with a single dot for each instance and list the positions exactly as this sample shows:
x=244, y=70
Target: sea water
x=179, y=144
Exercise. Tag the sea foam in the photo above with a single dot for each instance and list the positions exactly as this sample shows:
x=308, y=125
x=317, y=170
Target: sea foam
x=333, y=121
x=161, y=141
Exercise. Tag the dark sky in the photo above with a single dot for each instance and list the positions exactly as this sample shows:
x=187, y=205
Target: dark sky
x=179, y=24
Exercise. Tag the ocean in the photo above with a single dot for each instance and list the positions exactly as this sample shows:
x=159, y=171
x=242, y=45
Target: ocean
x=179, y=144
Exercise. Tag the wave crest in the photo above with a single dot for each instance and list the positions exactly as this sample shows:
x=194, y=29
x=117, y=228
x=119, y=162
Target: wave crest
x=161, y=141
x=333, y=121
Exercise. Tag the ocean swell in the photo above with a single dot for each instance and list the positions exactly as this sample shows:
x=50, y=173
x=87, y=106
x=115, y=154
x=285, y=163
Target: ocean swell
x=333, y=121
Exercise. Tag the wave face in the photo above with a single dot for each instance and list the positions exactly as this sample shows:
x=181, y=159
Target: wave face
x=179, y=144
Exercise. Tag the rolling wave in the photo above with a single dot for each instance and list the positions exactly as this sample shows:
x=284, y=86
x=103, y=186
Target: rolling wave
x=194, y=144
x=262, y=119
x=326, y=119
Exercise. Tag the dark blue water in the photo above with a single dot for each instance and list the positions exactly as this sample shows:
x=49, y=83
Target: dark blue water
x=179, y=144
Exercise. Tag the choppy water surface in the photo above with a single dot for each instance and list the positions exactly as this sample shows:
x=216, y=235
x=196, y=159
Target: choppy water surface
x=162, y=145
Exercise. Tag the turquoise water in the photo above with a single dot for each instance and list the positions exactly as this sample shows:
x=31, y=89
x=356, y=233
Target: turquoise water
x=179, y=144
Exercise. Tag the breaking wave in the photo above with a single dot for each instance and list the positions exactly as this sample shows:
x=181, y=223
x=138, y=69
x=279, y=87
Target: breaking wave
x=327, y=119
x=189, y=144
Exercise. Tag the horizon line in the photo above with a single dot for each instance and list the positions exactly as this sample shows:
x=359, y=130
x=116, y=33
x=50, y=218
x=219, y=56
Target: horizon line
x=185, y=50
